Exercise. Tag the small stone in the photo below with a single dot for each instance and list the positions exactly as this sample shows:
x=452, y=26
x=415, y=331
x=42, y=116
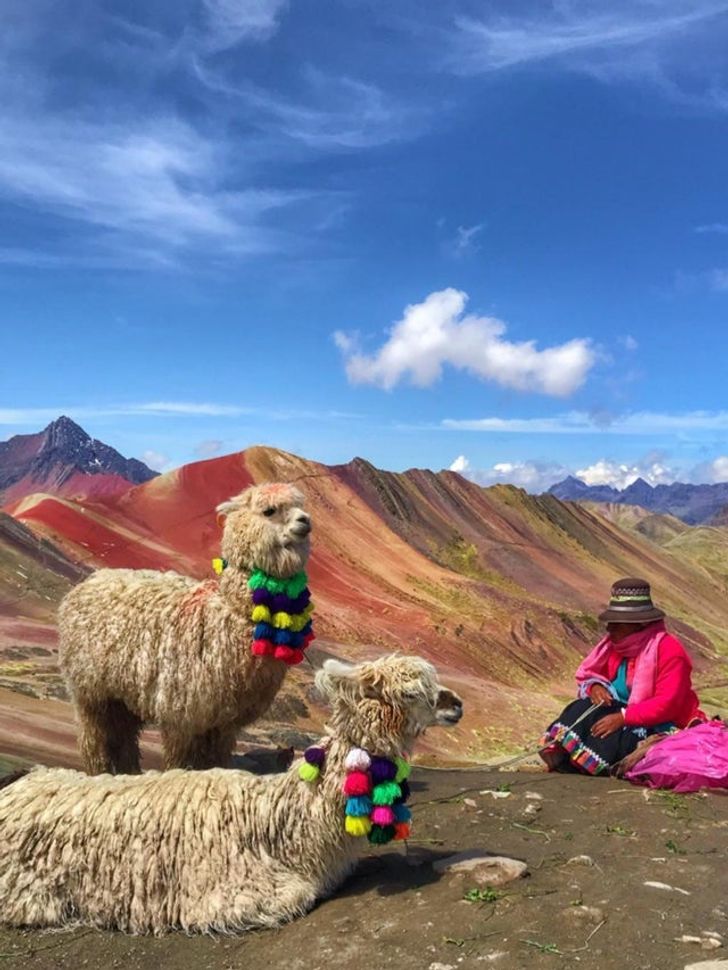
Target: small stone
x=664, y=886
x=530, y=811
x=708, y=965
x=442, y=966
x=486, y=870
x=580, y=860
x=583, y=914
x=688, y=939
x=710, y=943
x=470, y=802
x=534, y=796
x=495, y=794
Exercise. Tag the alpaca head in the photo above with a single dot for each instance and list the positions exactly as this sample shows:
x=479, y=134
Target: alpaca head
x=266, y=528
x=384, y=705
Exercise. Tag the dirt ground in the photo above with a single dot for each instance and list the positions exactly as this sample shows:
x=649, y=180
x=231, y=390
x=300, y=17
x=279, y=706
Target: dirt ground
x=397, y=911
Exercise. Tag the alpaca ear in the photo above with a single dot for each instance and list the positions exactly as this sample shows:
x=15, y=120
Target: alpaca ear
x=333, y=674
x=233, y=504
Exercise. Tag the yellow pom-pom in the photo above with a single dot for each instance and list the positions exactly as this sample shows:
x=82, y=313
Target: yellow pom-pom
x=307, y=772
x=299, y=620
x=281, y=621
x=358, y=825
x=218, y=565
x=261, y=614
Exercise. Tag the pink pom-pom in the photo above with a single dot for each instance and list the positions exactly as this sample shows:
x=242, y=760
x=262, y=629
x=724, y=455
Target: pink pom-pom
x=382, y=815
x=262, y=648
x=357, y=783
x=309, y=638
x=357, y=760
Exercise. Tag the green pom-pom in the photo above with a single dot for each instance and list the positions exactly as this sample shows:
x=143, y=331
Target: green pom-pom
x=403, y=770
x=381, y=834
x=386, y=793
x=307, y=772
x=257, y=579
x=292, y=587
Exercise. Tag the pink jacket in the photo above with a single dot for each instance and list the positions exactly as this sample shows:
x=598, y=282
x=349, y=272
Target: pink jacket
x=674, y=698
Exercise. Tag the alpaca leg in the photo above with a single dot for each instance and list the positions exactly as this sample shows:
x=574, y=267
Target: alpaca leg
x=109, y=738
x=93, y=738
x=123, y=744
x=209, y=750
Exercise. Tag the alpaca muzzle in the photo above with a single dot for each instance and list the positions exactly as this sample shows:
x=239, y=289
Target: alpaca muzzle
x=449, y=708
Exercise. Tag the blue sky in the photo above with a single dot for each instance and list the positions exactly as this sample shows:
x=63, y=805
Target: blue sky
x=488, y=234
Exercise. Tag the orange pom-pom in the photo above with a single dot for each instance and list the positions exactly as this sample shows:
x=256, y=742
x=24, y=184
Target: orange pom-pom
x=401, y=831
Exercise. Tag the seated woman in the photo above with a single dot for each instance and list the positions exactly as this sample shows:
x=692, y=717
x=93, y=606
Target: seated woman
x=638, y=675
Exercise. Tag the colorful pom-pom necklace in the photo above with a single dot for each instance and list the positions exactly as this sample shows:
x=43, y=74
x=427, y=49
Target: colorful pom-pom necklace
x=376, y=790
x=281, y=616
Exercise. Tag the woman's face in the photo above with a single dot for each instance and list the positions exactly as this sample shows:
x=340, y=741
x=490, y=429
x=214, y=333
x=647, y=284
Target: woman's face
x=618, y=631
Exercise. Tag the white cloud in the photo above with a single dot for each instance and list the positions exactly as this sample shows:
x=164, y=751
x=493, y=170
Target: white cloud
x=460, y=465
x=534, y=476
x=711, y=472
x=229, y=22
x=621, y=475
x=669, y=44
x=155, y=460
x=629, y=342
x=584, y=422
x=436, y=332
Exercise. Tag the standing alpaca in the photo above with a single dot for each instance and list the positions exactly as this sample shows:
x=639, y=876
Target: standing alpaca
x=141, y=646
x=214, y=850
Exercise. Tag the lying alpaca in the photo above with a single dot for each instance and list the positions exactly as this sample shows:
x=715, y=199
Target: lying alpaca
x=214, y=850
x=139, y=646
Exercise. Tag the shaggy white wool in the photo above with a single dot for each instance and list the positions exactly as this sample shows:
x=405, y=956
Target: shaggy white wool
x=141, y=646
x=205, y=851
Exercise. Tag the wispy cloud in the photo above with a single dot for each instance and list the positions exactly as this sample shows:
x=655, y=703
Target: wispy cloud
x=330, y=112
x=584, y=422
x=164, y=409
x=159, y=182
x=465, y=241
x=229, y=22
x=669, y=44
x=436, y=333
x=720, y=228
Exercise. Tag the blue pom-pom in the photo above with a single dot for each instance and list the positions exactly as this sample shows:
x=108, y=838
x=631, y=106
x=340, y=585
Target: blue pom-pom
x=382, y=769
x=358, y=805
x=401, y=813
x=263, y=631
x=283, y=638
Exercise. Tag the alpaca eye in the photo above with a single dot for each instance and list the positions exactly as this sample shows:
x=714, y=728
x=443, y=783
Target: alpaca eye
x=269, y=512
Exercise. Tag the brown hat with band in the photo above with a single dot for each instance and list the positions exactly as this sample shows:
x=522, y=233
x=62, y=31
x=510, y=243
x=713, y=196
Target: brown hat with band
x=631, y=602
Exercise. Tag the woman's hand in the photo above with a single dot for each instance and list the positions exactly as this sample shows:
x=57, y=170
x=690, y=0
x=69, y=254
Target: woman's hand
x=600, y=695
x=608, y=725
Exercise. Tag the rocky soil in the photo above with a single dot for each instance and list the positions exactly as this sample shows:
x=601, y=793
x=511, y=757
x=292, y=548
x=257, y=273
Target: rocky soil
x=601, y=874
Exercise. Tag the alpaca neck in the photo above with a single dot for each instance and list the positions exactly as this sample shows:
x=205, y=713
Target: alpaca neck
x=234, y=589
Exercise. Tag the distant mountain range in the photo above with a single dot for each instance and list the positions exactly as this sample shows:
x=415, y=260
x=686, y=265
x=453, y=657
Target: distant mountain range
x=64, y=460
x=694, y=504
